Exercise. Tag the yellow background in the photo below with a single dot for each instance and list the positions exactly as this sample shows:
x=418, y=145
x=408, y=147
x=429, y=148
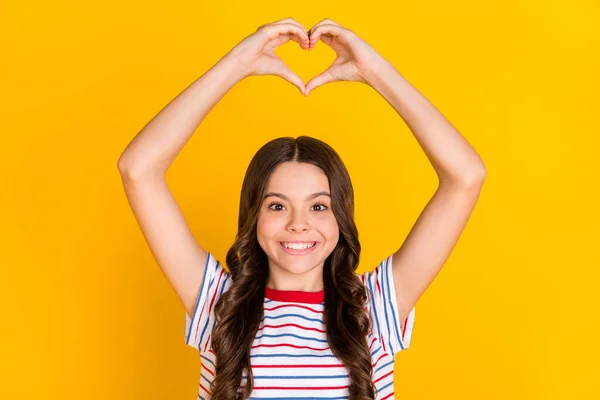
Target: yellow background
x=86, y=311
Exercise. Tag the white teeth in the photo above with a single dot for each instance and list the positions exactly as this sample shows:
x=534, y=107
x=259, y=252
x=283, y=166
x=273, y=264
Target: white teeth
x=297, y=246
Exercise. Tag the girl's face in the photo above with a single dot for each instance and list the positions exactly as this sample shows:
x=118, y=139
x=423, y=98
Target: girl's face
x=290, y=213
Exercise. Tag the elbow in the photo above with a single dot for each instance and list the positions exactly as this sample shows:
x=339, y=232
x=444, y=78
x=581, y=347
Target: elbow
x=471, y=178
x=136, y=171
x=127, y=169
x=474, y=177
x=124, y=168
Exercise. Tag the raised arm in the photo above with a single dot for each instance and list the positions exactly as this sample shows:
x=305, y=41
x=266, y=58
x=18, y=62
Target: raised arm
x=460, y=170
x=145, y=161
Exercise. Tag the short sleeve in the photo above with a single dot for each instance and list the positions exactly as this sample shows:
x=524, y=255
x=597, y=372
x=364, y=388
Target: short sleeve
x=199, y=328
x=383, y=308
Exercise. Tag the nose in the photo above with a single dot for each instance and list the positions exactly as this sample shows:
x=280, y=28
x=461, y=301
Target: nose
x=298, y=222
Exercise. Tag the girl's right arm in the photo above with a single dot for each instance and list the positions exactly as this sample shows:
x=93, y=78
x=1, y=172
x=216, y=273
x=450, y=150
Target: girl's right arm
x=143, y=166
x=145, y=161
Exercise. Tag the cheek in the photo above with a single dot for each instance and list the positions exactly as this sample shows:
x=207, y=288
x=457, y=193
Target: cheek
x=331, y=230
x=267, y=227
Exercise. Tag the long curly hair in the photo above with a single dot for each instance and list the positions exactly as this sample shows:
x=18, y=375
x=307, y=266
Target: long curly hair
x=239, y=310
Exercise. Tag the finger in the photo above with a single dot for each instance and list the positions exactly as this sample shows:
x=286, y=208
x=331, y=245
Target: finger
x=293, y=21
x=282, y=39
x=322, y=22
x=326, y=33
x=319, y=80
x=274, y=30
x=291, y=77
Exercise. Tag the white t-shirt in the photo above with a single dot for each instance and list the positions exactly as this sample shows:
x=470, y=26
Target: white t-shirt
x=290, y=355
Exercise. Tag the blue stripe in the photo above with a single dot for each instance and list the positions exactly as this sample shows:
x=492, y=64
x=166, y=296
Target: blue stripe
x=383, y=366
x=223, y=285
x=386, y=297
x=198, y=299
x=205, y=378
x=374, y=302
x=395, y=316
x=207, y=293
x=292, y=335
x=208, y=360
x=381, y=388
x=292, y=315
x=291, y=355
x=375, y=352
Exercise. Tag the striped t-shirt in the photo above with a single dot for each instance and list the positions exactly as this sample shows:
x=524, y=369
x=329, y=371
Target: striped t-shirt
x=290, y=357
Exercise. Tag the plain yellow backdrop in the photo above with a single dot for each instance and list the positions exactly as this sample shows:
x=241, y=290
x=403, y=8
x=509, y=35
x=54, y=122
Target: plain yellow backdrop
x=86, y=311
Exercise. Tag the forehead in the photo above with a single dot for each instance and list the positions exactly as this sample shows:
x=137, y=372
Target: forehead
x=297, y=180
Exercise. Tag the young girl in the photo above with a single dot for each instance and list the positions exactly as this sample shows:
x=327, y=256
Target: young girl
x=290, y=318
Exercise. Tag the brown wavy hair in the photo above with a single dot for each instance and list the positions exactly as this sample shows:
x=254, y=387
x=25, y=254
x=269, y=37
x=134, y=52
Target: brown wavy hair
x=239, y=310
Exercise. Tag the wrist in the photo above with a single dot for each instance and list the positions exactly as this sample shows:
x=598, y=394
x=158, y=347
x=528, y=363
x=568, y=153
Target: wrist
x=376, y=70
x=234, y=67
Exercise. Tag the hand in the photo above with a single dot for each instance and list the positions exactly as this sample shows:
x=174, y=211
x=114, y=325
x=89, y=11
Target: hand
x=356, y=60
x=256, y=52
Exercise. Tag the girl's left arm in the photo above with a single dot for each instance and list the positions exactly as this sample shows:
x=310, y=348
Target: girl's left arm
x=461, y=174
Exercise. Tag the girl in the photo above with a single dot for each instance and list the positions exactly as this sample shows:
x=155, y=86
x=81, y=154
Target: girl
x=290, y=318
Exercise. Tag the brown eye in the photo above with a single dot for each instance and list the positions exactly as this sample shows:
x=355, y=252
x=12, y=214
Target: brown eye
x=322, y=205
x=275, y=204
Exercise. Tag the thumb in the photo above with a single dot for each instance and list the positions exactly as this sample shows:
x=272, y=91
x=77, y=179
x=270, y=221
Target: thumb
x=319, y=80
x=291, y=77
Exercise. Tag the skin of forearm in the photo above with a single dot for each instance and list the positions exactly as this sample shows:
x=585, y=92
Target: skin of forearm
x=156, y=146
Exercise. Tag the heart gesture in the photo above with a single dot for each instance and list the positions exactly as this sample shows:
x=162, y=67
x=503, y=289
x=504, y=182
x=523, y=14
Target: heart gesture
x=355, y=60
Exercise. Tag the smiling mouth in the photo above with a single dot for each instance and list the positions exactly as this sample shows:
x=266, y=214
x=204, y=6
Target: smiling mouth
x=303, y=251
x=312, y=244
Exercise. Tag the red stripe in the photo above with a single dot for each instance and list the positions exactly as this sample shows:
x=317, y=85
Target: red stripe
x=300, y=388
x=288, y=345
x=381, y=297
x=404, y=328
x=373, y=341
x=207, y=342
x=377, y=281
x=210, y=307
x=205, y=389
x=203, y=305
x=207, y=370
x=388, y=396
x=381, y=377
x=294, y=325
x=216, y=290
x=293, y=305
x=382, y=356
x=298, y=366
x=199, y=319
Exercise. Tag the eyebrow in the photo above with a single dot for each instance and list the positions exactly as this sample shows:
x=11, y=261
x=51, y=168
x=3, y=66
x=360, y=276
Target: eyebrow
x=312, y=196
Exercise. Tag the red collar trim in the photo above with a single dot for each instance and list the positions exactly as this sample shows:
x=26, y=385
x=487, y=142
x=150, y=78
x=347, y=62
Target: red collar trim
x=295, y=296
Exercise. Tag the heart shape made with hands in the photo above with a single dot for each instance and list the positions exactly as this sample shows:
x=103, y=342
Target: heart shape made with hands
x=295, y=64
x=351, y=52
x=322, y=77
